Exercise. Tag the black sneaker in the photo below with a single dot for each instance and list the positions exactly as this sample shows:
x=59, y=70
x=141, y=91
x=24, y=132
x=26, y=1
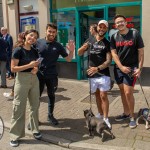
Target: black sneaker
x=52, y=120
x=14, y=143
x=122, y=117
x=37, y=136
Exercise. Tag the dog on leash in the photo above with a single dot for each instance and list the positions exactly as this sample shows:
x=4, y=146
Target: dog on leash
x=94, y=123
x=144, y=114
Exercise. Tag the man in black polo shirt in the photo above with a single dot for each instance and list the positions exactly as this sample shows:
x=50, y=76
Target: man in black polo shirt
x=98, y=71
x=49, y=50
x=127, y=49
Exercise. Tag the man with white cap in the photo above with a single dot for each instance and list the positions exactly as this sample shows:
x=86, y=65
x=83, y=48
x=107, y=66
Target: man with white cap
x=98, y=71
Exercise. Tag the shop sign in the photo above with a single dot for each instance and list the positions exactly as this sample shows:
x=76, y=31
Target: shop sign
x=29, y=27
x=28, y=23
x=129, y=20
x=129, y=23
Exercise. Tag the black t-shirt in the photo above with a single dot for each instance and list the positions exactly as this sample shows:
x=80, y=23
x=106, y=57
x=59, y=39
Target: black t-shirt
x=97, y=56
x=127, y=47
x=25, y=56
x=50, y=52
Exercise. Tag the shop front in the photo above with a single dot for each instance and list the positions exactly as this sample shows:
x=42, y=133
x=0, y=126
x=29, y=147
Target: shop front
x=73, y=18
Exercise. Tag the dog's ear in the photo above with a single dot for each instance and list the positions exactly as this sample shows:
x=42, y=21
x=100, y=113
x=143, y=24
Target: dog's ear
x=90, y=110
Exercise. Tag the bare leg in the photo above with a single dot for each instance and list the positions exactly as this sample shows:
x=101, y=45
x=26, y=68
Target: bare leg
x=124, y=101
x=105, y=103
x=99, y=102
x=128, y=90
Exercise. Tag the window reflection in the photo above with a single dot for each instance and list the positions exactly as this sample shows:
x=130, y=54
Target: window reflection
x=133, y=17
x=66, y=26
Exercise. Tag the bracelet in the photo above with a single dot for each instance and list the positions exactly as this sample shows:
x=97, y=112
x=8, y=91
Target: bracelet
x=140, y=69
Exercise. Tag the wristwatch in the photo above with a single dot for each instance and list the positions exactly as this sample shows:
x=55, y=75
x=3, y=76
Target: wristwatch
x=98, y=68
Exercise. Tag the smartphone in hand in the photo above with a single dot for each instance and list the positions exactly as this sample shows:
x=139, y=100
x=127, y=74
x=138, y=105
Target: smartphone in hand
x=40, y=59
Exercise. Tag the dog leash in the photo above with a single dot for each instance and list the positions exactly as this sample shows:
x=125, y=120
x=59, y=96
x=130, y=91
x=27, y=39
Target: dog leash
x=90, y=94
x=90, y=46
x=143, y=92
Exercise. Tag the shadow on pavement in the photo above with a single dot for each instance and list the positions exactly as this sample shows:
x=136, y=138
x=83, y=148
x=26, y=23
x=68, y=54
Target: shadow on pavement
x=58, y=98
x=72, y=129
x=60, y=90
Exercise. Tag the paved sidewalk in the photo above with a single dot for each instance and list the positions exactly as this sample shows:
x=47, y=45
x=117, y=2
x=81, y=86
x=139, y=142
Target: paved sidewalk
x=72, y=131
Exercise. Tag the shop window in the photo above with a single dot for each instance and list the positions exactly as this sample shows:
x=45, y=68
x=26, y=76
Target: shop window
x=133, y=17
x=66, y=26
x=56, y=4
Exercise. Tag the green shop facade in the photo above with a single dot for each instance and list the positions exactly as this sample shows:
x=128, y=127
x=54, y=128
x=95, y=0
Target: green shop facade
x=73, y=18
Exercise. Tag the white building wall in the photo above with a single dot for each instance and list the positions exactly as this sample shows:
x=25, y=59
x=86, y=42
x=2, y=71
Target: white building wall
x=146, y=30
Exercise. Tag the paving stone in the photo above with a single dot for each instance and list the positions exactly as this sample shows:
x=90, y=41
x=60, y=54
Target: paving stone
x=146, y=139
x=138, y=137
x=143, y=145
x=72, y=127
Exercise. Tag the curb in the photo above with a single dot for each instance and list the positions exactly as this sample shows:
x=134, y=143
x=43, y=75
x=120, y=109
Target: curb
x=86, y=146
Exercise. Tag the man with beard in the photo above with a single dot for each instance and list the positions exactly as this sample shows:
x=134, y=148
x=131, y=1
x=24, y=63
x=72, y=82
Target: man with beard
x=98, y=71
x=127, y=49
x=49, y=50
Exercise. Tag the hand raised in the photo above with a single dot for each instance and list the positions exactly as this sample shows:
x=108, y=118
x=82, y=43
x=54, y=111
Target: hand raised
x=70, y=46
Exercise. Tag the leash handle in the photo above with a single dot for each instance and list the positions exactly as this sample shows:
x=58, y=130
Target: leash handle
x=143, y=92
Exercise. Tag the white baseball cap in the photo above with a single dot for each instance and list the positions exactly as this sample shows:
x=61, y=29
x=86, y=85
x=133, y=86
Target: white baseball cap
x=103, y=22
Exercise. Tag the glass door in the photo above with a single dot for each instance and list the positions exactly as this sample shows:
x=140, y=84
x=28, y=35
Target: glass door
x=86, y=19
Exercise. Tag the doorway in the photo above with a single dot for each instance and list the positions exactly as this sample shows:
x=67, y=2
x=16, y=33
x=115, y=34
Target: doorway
x=86, y=19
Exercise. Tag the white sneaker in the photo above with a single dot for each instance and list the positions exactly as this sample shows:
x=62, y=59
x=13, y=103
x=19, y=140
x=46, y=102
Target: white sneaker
x=8, y=95
x=99, y=116
x=107, y=122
